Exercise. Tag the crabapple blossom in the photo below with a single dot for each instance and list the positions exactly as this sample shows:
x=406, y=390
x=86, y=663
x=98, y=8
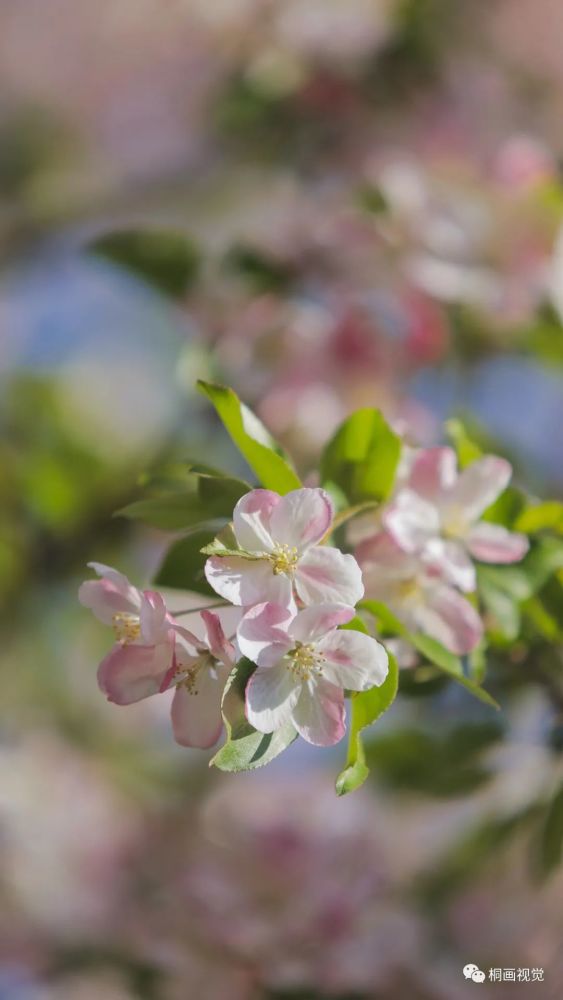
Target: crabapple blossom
x=282, y=536
x=436, y=515
x=304, y=663
x=153, y=652
x=420, y=599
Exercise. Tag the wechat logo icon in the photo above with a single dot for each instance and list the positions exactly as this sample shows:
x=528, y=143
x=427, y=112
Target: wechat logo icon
x=474, y=973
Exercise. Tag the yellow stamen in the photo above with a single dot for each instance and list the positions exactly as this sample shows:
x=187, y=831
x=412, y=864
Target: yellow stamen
x=126, y=627
x=454, y=523
x=188, y=677
x=284, y=559
x=305, y=661
x=408, y=588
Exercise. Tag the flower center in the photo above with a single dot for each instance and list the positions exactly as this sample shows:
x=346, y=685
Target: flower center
x=408, y=589
x=126, y=627
x=284, y=559
x=305, y=661
x=454, y=523
x=188, y=676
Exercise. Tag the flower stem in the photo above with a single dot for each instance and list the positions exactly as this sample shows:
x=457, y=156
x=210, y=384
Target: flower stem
x=205, y=607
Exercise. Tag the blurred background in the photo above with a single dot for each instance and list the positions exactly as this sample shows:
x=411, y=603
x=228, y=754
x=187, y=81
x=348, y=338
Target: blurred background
x=326, y=204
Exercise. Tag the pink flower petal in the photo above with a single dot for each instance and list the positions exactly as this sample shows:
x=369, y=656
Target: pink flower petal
x=187, y=642
x=302, y=518
x=325, y=575
x=479, y=486
x=130, y=673
x=111, y=595
x=216, y=640
x=449, y=559
x=271, y=694
x=154, y=622
x=263, y=634
x=492, y=543
x=314, y=622
x=104, y=600
x=411, y=521
x=353, y=660
x=251, y=520
x=384, y=553
x=247, y=581
x=196, y=716
x=319, y=716
x=119, y=580
x=449, y=618
x=433, y=471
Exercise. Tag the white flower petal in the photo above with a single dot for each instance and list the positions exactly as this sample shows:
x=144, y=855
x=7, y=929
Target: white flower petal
x=353, y=660
x=263, y=634
x=320, y=716
x=271, y=694
x=325, y=575
x=479, y=485
x=302, y=518
x=315, y=621
x=411, y=521
x=433, y=471
x=251, y=520
x=247, y=581
x=450, y=559
x=449, y=618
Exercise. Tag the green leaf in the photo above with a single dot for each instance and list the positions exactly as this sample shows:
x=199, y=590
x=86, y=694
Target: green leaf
x=441, y=765
x=169, y=513
x=362, y=457
x=550, y=848
x=432, y=650
x=182, y=567
x=365, y=708
x=543, y=560
x=524, y=580
x=252, y=439
x=460, y=865
x=507, y=508
x=214, y=499
x=467, y=450
x=244, y=748
x=502, y=606
x=508, y=590
x=264, y=273
x=164, y=258
x=546, y=516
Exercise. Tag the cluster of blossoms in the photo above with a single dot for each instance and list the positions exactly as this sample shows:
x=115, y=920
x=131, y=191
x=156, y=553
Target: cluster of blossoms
x=293, y=592
x=417, y=553
x=153, y=653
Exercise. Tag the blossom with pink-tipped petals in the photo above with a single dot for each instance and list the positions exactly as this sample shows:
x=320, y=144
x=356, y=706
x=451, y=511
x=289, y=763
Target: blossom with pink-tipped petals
x=421, y=600
x=153, y=652
x=437, y=515
x=304, y=662
x=283, y=535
